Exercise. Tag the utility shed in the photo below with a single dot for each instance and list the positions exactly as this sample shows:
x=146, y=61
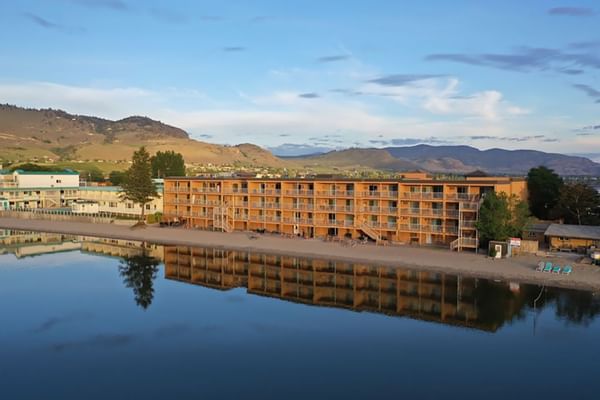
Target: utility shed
x=572, y=237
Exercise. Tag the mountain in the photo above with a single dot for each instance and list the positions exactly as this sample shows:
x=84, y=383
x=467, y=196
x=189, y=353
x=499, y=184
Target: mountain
x=496, y=161
x=29, y=134
x=357, y=158
x=453, y=159
x=26, y=134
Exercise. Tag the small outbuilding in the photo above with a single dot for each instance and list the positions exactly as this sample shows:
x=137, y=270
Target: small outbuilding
x=536, y=231
x=85, y=207
x=572, y=237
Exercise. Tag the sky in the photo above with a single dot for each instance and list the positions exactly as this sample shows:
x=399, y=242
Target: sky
x=306, y=76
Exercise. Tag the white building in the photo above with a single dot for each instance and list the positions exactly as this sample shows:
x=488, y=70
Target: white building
x=39, y=189
x=109, y=200
x=85, y=207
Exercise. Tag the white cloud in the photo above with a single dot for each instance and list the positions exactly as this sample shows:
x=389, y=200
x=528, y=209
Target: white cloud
x=442, y=96
x=263, y=119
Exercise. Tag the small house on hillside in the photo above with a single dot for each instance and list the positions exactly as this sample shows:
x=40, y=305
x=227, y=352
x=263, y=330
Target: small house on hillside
x=572, y=237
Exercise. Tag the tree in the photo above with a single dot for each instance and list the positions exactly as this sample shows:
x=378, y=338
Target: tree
x=501, y=217
x=544, y=191
x=34, y=167
x=138, y=273
x=92, y=174
x=579, y=204
x=167, y=163
x=117, y=177
x=138, y=186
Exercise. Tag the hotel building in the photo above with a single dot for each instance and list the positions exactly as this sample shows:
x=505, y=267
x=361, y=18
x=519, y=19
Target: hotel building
x=38, y=189
x=416, y=208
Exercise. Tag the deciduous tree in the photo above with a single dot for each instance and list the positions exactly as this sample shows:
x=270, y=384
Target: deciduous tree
x=544, y=191
x=501, y=217
x=579, y=204
x=167, y=163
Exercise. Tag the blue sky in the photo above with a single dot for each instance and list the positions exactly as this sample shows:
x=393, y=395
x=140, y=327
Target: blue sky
x=299, y=75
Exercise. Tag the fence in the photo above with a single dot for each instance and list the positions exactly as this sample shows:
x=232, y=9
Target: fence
x=59, y=215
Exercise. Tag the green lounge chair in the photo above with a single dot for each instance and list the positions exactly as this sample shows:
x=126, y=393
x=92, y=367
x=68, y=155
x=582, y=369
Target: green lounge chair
x=567, y=270
x=548, y=267
x=556, y=270
x=540, y=266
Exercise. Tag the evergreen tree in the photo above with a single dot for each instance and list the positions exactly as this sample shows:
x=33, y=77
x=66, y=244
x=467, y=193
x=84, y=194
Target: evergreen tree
x=138, y=273
x=117, y=177
x=138, y=186
x=544, y=191
x=167, y=163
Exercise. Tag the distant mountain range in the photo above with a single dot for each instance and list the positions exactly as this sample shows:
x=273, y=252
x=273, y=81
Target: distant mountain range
x=459, y=159
x=26, y=134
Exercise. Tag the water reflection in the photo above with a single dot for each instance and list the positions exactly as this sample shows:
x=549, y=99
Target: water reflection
x=425, y=295
x=139, y=272
x=432, y=296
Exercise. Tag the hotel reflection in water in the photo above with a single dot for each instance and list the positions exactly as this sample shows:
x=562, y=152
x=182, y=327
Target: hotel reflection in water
x=437, y=297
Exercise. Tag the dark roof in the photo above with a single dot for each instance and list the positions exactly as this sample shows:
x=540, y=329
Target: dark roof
x=538, y=226
x=574, y=231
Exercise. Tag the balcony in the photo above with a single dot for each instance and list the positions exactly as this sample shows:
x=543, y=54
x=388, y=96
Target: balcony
x=462, y=197
x=410, y=195
x=432, y=212
x=335, y=193
x=468, y=224
x=205, y=190
x=175, y=189
x=299, y=221
x=432, y=195
x=235, y=191
x=297, y=206
x=299, y=192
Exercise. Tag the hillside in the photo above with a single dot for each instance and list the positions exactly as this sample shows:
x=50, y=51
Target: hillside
x=466, y=158
x=453, y=159
x=58, y=135
x=356, y=159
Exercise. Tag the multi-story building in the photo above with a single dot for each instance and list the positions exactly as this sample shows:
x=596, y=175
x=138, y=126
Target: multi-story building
x=39, y=189
x=415, y=209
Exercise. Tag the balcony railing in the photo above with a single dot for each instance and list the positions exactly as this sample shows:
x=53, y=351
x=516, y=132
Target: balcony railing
x=206, y=190
x=468, y=224
x=299, y=192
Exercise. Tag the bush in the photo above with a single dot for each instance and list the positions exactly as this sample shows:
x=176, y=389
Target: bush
x=154, y=218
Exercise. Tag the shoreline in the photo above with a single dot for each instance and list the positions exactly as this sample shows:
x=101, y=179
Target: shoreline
x=519, y=269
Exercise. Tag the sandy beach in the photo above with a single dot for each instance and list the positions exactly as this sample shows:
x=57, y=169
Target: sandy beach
x=518, y=269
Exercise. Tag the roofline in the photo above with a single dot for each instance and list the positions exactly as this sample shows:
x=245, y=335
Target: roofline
x=398, y=180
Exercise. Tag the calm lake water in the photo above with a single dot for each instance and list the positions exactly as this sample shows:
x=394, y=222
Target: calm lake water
x=84, y=318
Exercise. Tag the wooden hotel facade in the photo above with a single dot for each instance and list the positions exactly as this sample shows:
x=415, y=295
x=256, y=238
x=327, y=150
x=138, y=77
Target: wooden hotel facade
x=415, y=209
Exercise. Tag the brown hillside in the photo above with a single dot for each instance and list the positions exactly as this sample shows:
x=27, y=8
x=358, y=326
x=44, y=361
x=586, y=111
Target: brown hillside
x=55, y=134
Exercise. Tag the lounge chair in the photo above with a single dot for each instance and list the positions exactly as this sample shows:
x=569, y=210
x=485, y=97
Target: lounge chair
x=540, y=266
x=567, y=270
x=548, y=267
x=556, y=270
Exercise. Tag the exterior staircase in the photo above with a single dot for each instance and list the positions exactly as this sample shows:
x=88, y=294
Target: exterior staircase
x=370, y=232
x=223, y=218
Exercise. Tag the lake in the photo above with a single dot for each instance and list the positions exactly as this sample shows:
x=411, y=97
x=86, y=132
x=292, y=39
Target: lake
x=86, y=318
